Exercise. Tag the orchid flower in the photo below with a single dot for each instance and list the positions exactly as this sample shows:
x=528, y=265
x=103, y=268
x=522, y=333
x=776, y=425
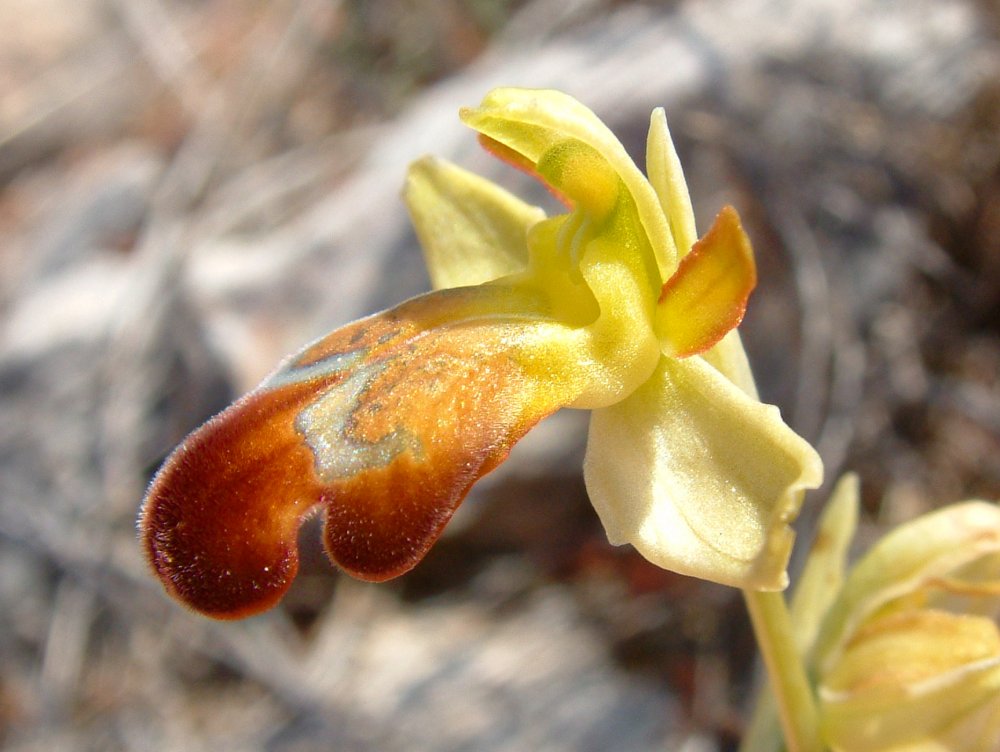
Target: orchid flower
x=903, y=648
x=908, y=653
x=385, y=424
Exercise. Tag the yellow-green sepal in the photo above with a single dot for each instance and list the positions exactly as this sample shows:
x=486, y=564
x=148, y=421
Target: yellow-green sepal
x=472, y=231
x=700, y=478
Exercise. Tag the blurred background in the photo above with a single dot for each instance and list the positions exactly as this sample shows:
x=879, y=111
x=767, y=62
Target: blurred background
x=190, y=190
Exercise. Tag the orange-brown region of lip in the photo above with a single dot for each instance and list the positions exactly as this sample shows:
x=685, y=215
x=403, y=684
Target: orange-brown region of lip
x=221, y=518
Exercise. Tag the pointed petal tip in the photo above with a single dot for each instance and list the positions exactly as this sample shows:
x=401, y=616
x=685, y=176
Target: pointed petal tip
x=427, y=164
x=663, y=166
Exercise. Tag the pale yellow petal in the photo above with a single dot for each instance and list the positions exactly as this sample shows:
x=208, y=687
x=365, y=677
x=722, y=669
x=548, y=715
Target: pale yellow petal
x=699, y=477
x=472, y=231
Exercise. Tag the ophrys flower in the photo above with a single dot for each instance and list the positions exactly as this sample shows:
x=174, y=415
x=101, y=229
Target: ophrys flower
x=906, y=652
x=386, y=423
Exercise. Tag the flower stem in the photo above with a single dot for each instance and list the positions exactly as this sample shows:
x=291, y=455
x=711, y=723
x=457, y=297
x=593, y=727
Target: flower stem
x=796, y=706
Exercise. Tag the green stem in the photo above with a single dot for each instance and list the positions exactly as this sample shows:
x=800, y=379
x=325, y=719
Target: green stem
x=796, y=706
x=763, y=733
